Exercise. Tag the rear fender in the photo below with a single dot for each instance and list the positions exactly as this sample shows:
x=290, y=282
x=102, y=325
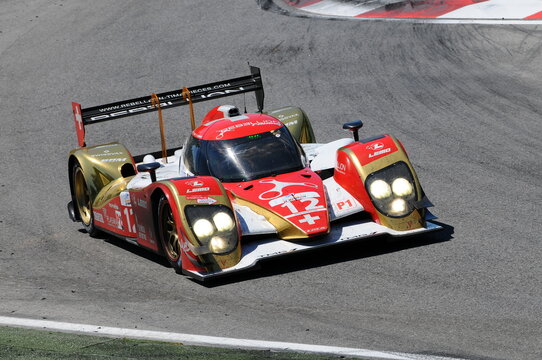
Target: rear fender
x=297, y=123
x=355, y=162
x=101, y=165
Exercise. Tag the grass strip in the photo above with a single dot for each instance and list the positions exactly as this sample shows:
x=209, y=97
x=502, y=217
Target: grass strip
x=30, y=344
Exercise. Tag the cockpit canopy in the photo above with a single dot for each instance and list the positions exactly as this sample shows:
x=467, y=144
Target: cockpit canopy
x=244, y=158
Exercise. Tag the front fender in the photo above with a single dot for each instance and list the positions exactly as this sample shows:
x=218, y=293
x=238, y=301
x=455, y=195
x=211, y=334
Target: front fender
x=202, y=191
x=357, y=161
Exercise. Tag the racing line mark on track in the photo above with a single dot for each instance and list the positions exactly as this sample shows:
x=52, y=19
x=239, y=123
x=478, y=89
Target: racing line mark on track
x=202, y=340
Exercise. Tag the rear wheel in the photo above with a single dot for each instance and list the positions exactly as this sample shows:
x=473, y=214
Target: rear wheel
x=82, y=200
x=167, y=231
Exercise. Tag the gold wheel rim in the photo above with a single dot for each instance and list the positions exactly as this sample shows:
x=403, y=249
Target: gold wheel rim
x=169, y=234
x=82, y=197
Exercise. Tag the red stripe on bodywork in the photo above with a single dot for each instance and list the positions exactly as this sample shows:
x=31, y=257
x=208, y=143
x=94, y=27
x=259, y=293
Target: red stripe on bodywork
x=419, y=9
x=538, y=15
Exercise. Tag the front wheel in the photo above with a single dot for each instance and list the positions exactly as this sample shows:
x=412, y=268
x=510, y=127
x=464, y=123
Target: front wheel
x=82, y=201
x=167, y=232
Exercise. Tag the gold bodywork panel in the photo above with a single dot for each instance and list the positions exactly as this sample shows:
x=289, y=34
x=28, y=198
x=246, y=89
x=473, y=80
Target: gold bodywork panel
x=110, y=191
x=297, y=123
x=101, y=165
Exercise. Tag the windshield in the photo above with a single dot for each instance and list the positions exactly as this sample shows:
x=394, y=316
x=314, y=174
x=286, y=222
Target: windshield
x=243, y=159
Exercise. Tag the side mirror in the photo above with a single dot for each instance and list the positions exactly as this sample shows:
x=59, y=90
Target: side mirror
x=354, y=126
x=150, y=168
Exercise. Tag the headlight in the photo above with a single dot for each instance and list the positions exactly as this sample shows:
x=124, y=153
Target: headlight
x=203, y=228
x=380, y=189
x=398, y=206
x=392, y=190
x=223, y=221
x=219, y=244
x=402, y=187
x=214, y=228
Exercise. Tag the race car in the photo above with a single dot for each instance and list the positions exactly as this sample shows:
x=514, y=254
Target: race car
x=244, y=187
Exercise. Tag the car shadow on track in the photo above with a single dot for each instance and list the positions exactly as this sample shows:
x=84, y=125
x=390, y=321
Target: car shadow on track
x=335, y=254
x=313, y=259
x=133, y=248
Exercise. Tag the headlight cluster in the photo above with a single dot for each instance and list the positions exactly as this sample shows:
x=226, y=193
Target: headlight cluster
x=392, y=190
x=214, y=227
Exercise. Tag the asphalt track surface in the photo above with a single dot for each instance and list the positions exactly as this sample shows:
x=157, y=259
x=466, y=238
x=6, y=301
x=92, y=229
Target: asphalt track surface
x=464, y=99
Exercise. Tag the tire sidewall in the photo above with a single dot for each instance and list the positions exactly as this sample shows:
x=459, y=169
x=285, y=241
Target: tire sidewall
x=175, y=263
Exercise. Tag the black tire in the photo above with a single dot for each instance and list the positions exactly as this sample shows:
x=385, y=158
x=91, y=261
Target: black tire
x=81, y=201
x=167, y=233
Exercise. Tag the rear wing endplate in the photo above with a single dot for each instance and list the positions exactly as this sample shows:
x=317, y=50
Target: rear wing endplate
x=170, y=99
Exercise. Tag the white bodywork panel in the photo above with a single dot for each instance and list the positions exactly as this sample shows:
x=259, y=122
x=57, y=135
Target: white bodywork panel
x=340, y=202
x=167, y=170
x=252, y=223
x=324, y=156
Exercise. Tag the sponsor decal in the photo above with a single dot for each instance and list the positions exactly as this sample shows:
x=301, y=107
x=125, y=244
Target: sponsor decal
x=385, y=151
x=98, y=217
x=293, y=197
x=375, y=146
x=144, y=105
x=341, y=168
x=208, y=201
x=127, y=112
x=125, y=199
x=114, y=221
x=107, y=153
x=344, y=205
x=115, y=160
x=291, y=123
x=248, y=123
x=142, y=203
x=278, y=188
x=195, y=183
x=197, y=190
x=216, y=87
x=272, y=254
x=78, y=118
x=201, y=199
x=318, y=229
x=218, y=93
x=113, y=206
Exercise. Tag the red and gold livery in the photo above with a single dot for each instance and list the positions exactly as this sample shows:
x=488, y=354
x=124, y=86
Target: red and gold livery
x=237, y=176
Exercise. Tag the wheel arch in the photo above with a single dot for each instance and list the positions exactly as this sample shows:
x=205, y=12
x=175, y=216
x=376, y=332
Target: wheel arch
x=72, y=162
x=155, y=199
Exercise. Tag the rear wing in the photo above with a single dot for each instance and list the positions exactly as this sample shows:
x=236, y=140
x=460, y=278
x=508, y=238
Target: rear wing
x=166, y=100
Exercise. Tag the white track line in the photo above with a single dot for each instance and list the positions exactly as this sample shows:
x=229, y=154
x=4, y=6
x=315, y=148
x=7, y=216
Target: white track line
x=210, y=340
